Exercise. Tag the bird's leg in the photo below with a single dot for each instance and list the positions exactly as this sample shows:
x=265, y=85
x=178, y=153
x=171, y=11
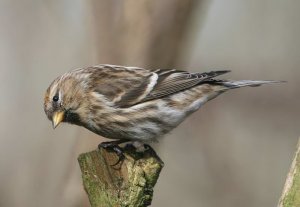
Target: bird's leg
x=135, y=145
x=107, y=145
x=139, y=147
x=114, y=147
x=143, y=150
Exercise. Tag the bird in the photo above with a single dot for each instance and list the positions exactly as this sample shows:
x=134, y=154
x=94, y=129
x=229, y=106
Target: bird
x=132, y=104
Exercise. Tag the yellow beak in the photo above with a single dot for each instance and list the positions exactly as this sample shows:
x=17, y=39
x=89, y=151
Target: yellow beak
x=57, y=118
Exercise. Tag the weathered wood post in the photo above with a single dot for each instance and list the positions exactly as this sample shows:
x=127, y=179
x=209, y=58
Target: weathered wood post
x=130, y=183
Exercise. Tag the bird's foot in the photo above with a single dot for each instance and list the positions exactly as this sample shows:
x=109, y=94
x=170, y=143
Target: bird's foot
x=140, y=150
x=113, y=146
x=137, y=149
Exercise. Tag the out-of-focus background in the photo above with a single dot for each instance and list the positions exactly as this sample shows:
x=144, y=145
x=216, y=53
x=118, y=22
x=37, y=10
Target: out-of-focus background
x=235, y=151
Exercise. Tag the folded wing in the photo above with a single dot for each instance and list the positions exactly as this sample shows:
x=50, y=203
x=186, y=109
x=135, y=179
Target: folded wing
x=127, y=86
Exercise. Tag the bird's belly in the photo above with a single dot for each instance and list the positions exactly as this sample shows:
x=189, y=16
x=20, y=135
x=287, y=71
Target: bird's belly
x=147, y=130
x=140, y=124
x=150, y=120
x=146, y=122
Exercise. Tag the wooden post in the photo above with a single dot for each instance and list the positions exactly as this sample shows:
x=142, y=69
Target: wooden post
x=291, y=192
x=129, y=183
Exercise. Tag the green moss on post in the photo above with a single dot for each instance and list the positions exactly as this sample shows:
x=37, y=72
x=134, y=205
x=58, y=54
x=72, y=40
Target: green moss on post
x=129, y=184
x=291, y=192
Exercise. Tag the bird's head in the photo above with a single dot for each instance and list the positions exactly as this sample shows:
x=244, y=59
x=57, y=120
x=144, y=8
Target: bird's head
x=63, y=100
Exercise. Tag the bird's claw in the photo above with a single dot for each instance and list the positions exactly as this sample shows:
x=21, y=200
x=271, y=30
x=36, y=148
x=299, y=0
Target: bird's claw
x=113, y=147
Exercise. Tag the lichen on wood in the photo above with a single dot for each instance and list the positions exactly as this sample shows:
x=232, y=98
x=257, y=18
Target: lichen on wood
x=291, y=193
x=130, y=183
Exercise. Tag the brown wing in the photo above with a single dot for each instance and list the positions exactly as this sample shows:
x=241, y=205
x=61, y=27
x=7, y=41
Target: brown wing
x=127, y=86
x=173, y=81
x=123, y=86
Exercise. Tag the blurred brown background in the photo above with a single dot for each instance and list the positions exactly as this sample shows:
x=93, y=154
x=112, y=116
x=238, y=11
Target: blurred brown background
x=235, y=151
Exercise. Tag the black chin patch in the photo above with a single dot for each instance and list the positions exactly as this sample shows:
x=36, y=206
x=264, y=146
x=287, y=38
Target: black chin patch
x=72, y=118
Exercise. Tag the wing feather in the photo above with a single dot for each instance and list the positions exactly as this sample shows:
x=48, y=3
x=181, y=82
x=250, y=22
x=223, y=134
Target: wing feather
x=179, y=81
x=127, y=86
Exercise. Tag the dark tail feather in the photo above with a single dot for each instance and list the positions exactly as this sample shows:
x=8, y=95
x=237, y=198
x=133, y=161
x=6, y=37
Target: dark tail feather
x=213, y=74
x=237, y=84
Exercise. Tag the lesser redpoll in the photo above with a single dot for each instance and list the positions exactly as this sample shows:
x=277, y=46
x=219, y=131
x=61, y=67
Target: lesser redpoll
x=131, y=103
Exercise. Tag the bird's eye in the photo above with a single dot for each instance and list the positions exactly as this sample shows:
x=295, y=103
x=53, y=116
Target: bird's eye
x=55, y=98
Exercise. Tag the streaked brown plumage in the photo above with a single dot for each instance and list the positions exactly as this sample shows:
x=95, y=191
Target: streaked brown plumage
x=130, y=103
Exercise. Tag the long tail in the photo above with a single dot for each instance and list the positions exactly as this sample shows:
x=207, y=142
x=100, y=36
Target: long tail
x=237, y=84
